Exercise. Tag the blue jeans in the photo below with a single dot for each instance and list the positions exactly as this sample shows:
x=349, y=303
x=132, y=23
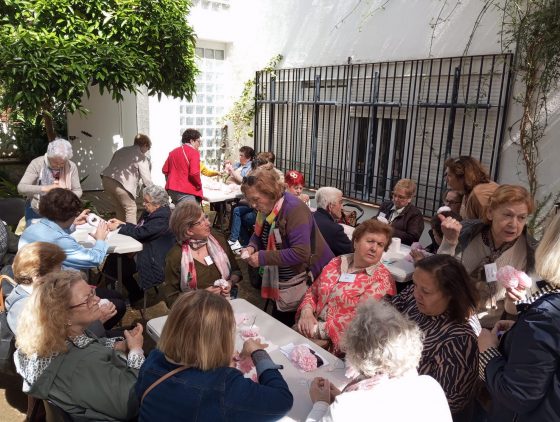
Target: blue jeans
x=30, y=213
x=243, y=219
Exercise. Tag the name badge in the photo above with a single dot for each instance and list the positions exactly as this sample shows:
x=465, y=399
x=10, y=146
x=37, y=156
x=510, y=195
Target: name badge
x=208, y=260
x=277, y=236
x=491, y=272
x=347, y=278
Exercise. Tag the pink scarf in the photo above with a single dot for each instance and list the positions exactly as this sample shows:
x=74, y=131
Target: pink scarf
x=188, y=270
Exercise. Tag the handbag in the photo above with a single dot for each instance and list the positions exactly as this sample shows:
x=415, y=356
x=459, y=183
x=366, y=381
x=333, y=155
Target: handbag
x=291, y=292
x=7, y=338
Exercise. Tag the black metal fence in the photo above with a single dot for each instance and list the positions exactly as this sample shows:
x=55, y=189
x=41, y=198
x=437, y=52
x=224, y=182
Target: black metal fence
x=362, y=127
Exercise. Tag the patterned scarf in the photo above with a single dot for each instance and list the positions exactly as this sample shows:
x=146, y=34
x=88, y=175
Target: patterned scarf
x=270, y=279
x=48, y=176
x=188, y=270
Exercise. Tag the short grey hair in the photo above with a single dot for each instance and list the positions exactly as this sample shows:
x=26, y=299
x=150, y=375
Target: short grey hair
x=327, y=195
x=158, y=194
x=60, y=148
x=380, y=340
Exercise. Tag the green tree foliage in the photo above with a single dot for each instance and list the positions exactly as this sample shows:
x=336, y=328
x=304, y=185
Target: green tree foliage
x=53, y=50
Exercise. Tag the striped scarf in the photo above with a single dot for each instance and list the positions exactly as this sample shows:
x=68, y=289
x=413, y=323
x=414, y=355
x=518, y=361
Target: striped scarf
x=188, y=269
x=270, y=279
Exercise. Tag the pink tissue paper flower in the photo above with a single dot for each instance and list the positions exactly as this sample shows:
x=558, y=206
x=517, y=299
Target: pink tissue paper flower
x=249, y=333
x=510, y=278
x=302, y=357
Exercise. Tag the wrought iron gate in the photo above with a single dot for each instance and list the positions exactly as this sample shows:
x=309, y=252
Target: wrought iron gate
x=362, y=127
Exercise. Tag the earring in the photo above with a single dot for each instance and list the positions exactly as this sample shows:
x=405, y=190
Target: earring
x=68, y=324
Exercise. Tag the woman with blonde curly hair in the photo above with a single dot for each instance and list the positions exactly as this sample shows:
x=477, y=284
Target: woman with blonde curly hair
x=383, y=348
x=61, y=362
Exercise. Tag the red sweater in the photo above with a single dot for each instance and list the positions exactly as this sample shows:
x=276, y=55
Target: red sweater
x=183, y=174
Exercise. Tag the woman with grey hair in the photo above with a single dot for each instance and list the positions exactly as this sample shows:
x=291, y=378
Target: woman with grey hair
x=383, y=349
x=52, y=170
x=329, y=211
x=153, y=232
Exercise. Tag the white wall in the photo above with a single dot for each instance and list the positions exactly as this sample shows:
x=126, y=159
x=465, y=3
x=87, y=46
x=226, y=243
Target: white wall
x=164, y=133
x=106, y=122
x=326, y=32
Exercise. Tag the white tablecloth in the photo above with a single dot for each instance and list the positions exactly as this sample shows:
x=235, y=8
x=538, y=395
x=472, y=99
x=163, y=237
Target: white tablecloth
x=279, y=335
x=118, y=243
x=400, y=268
x=225, y=193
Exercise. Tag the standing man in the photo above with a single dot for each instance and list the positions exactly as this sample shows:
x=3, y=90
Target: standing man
x=120, y=179
x=182, y=169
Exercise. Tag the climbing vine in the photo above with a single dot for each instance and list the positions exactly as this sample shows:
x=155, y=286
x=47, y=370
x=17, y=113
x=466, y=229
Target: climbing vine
x=242, y=113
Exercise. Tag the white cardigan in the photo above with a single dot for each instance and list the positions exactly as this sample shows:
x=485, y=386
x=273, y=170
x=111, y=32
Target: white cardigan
x=417, y=398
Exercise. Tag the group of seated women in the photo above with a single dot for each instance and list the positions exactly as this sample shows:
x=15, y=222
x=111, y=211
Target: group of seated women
x=423, y=346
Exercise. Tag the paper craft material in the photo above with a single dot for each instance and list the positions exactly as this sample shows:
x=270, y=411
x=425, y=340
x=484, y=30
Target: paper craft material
x=103, y=302
x=445, y=208
x=93, y=219
x=509, y=277
x=221, y=283
x=302, y=358
x=395, y=245
x=382, y=219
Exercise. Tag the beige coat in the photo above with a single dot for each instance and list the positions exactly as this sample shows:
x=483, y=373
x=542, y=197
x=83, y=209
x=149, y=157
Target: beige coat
x=128, y=166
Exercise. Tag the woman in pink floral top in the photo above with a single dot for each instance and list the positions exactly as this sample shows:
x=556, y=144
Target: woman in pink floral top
x=330, y=303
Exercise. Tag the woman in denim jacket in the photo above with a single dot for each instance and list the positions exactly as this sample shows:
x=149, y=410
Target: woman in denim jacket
x=197, y=343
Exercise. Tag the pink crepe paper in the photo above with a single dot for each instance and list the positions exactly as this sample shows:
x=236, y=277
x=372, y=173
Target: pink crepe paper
x=510, y=278
x=302, y=357
x=249, y=333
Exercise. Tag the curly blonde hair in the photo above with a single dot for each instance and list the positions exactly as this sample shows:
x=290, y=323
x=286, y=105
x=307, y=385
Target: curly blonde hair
x=42, y=326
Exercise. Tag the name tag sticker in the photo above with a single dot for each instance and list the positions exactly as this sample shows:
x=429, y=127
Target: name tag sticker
x=382, y=215
x=277, y=236
x=208, y=260
x=347, y=278
x=491, y=271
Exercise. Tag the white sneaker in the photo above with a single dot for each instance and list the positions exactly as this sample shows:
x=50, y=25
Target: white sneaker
x=234, y=245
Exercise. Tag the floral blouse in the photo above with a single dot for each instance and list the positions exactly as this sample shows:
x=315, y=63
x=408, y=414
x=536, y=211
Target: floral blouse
x=334, y=296
x=32, y=367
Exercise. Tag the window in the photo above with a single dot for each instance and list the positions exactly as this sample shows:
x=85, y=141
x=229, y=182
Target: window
x=206, y=109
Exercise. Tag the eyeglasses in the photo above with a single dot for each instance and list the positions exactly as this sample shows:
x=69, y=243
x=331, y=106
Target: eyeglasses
x=90, y=301
x=249, y=180
x=204, y=220
x=446, y=202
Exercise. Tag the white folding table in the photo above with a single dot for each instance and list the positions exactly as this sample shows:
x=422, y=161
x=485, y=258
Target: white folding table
x=278, y=334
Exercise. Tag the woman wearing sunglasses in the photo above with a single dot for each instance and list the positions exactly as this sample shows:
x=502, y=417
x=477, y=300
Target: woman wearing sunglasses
x=62, y=362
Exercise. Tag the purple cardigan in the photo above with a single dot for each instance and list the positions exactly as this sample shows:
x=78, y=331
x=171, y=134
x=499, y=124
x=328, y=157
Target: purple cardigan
x=296, y=224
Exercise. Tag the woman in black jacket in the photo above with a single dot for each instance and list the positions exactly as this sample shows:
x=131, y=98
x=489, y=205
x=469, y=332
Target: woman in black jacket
x=153, y=232
x=522, y=368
